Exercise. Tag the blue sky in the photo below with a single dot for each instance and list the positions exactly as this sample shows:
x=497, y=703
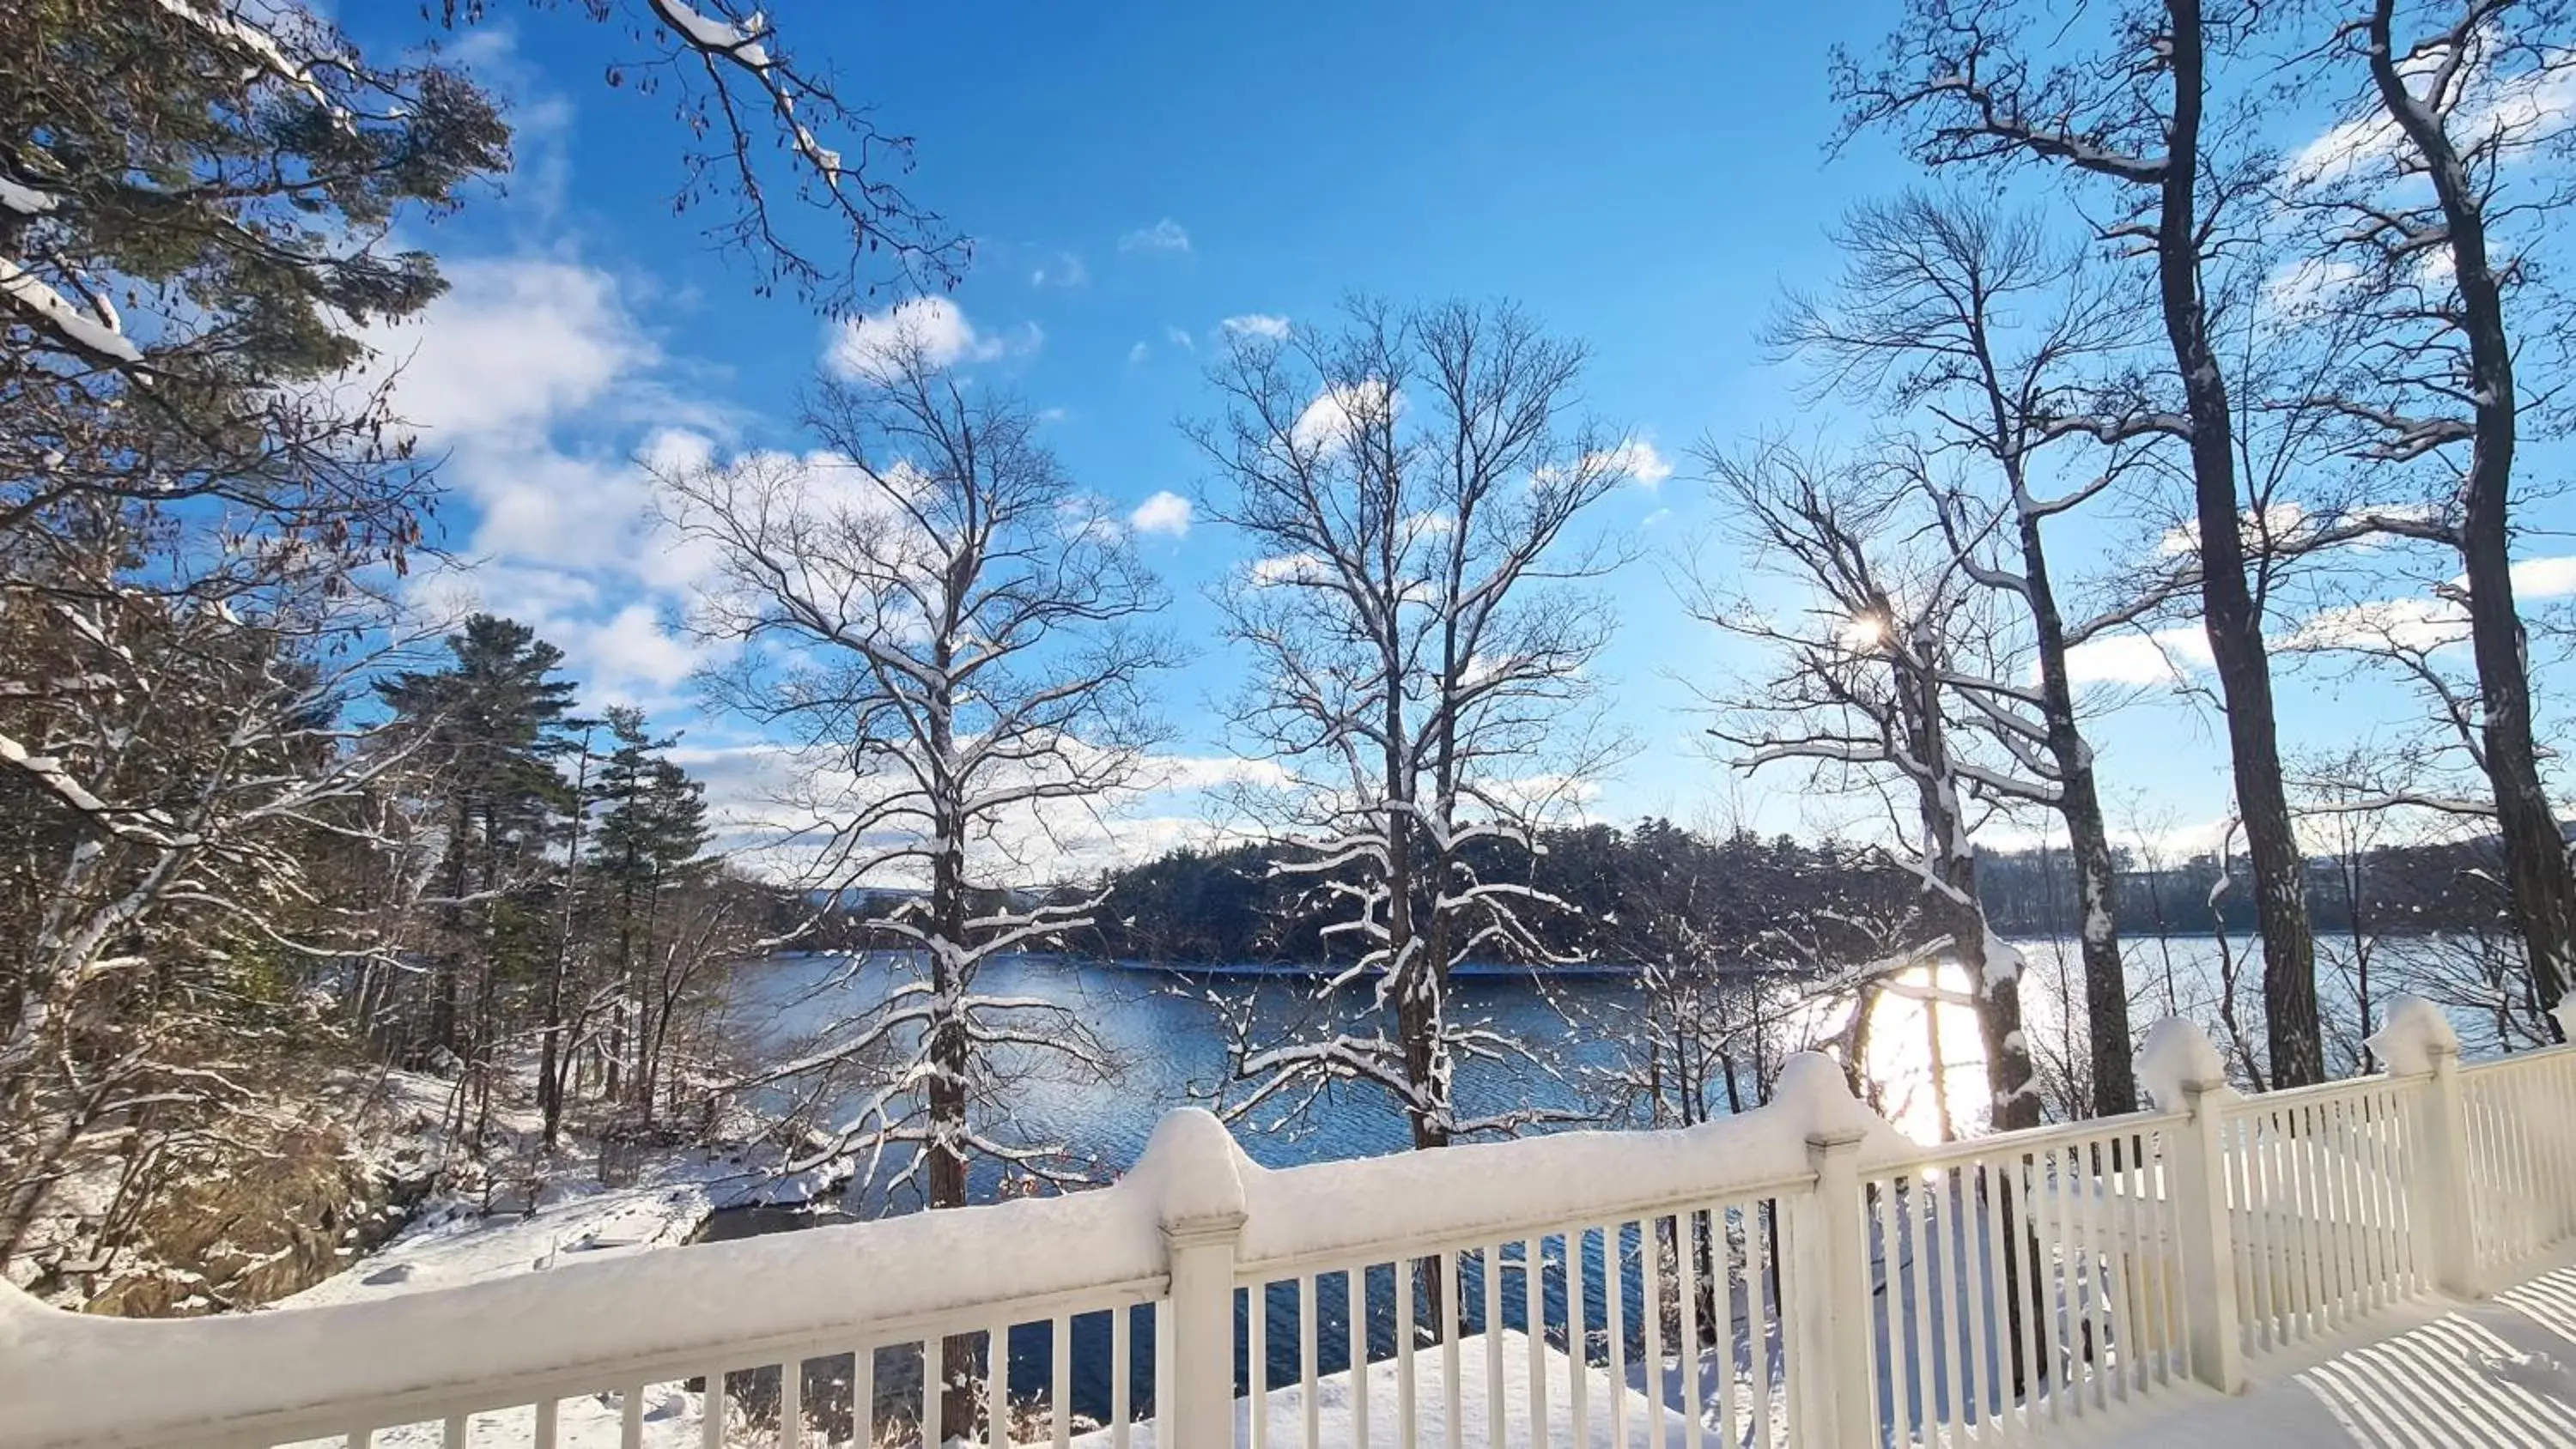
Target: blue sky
x=1646, y=178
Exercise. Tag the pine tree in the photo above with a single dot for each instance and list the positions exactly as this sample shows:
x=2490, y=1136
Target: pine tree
x=649, y=837
x=495, y=721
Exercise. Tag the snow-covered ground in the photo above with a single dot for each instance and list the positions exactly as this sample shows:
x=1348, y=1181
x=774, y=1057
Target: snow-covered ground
x=520, y=1211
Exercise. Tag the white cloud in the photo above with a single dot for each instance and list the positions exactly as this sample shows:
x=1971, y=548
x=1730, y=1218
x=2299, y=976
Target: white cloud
x=512, y=345
x=2545, y=578
x=2402, y=623
x=1257, y=324
x=2158, y=658
x=1166, y=513
x=1285, y=569
x=1166, y=235
x=2519, y=111
x=1064, y=269
x=1179, y=337
x=1638, y=459
x=1330, y=421
x=871, y=345
x=1138, y=353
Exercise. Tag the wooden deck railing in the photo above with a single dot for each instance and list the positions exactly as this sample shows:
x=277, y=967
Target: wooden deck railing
x=1798, y=1275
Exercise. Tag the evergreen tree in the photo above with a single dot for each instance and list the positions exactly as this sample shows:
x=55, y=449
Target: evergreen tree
x=495, y=721
x=649, y=838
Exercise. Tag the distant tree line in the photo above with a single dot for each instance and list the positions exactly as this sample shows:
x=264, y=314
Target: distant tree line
x=1602, y=884
x=1235, y=904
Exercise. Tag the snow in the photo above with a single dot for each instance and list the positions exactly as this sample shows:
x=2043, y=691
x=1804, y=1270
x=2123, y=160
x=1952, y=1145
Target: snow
x=2412, y=1033
x=709, y=33
x=25, y=200
x=1337, y=1424
x=1468, y=1191
x=2565, y=1015
x=88, y=332
x=2487, y=1374
x=2178, y=1054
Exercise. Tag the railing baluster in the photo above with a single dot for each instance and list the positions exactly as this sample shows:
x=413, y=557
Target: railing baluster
x=1355, y=1291
x=1908, y=1400
x=711, y=1411
x=2110, y=1349
x=1310, y=1352
x=791, y=1403
x=1256, y=1360
x=1992, y=1305
x=863, y=1397
x=1761, y=1320
x=547, y=1413
x=1534, y=1328
x=452, y=1432
x=2092, y=1183
x=1686, y=1238
x=1060, y=1379
x=997, y=1386
x=934, y=1381
x=1489, y=1277
x=2128, y=1271
x=1408, y=1386
x=1578, y=1335
x=2314, y=1221
x=630, y=1418
x=1122, y=1376
x=1650, y=1296
x=1945, y=1262
x=2056, y=1257
x=2272, y=1276
x=2327, y=1151
x=1614, y=1293
x=1453, y=1313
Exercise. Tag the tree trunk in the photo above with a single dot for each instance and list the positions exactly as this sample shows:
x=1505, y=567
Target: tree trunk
x=2536, y=867
x=2229, y=613
x=2106, y=987
x=1952, y=863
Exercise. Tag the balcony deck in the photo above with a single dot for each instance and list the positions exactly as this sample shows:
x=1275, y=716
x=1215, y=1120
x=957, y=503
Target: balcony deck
x=2498, y=1373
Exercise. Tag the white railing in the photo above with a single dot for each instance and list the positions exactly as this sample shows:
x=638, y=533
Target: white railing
x=1799, y=1275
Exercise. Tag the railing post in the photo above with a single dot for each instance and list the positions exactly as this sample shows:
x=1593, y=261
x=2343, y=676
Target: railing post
x=2184, y=1073
x=1829, y=1293
x=2416, y=1040
x=1202, y=1391
x=1194, y=1165
x=2205, y=1241
x=2445, y=1212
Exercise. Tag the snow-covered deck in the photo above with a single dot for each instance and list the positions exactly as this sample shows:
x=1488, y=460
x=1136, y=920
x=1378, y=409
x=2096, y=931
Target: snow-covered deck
x=2497, y=1373
x=2379, y=1260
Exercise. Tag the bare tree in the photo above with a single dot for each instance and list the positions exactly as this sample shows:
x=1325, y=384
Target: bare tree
x=1411, y=481
x=1983, y=326
x=949, y=630
x=1872, y=679
x=2428, y=191
x=951, y=633
x=2135, y=109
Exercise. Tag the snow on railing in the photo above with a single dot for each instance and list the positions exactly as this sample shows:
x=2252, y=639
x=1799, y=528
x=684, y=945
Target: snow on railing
x=1797, y=1275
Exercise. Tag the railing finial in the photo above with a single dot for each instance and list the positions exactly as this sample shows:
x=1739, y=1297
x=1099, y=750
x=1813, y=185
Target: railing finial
x=2412, y=1034
x=2177, y=1062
